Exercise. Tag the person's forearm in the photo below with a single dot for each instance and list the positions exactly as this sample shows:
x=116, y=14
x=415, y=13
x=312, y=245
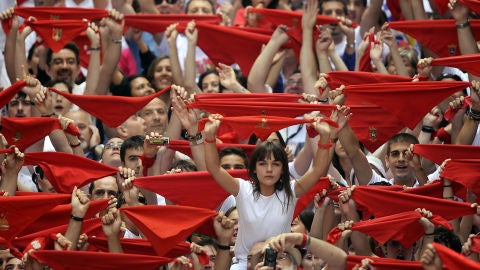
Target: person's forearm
x=260, y=68
x=380, y=66
x=175, y=64
x=467, y=132
x=21, y=64
x=60, y=142
x=9, y=54
x=8, y=182
x=114, y=244
x=398, y=61
x=110, y=61
x=191, y=70
x=335, y=257
x=307, y=63
x=337, y=61
x=93, y=75
x=73, y=231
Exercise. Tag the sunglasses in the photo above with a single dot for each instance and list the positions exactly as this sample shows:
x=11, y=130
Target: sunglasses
x=111, y=145
x=170, y=2
x=37, y=173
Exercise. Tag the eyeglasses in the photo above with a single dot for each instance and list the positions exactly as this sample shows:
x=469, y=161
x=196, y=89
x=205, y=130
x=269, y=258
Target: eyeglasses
x=16, y=102
x=111, y=145
x=170, y=2
x=37, y=174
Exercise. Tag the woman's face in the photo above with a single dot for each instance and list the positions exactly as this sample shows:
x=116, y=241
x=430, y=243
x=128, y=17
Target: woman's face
x=234, y=217
x=298, y=226
x=60, y=104
x=211, y=84
x=162, y=76
x=406, y=62
x=141, y=87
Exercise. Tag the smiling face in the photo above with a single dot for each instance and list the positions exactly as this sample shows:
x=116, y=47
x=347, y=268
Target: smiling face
x=64, y=66
x=162, y=75
x=402, y=172
x=211, y=83
x=155, y=116
x=141, y=87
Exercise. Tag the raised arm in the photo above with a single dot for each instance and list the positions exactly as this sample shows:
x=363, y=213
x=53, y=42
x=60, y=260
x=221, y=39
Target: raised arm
x=12, y=164
x=191, y=32
x=80, y=204
x=172, y=34
x=10, y=44
x=307, y=62
x=470, y=125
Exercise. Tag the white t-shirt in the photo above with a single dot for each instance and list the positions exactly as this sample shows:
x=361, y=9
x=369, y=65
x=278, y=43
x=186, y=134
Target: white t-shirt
x=377, y=179
x=260, y=218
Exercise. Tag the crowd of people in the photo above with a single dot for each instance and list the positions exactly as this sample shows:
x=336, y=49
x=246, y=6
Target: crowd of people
x=203, y=134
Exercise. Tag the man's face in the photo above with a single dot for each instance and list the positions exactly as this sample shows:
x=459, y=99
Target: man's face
x=14, y=264
x=294, y=84
x=212, y=253
x=333, y=9
x=4, y=256
x=155, y=116
x=64, y=66
x=20, y=107
x=104, y=188
x=355, y=10
x=396, y=251
x=133, y=161
x=200, y=7
x=169, y=6
x=401, y=170
x=232, y=162
x=111, y=152
x=82, y=122
x=134, y=125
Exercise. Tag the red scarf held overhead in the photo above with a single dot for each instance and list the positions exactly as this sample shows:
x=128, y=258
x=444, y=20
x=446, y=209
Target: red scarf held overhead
x=256, y=97
x=247, y=107
x=452, y=260
x=467, y=63
x=61, y=13
x=402, y=227
x=194, y=186
x=383, y=263
x=336, y=78
x=80, y=260
x=155, y=23
x=8, y=94
x=438, y=153
x=409, y=101
x=56, y=34
x=307, y=198
x=450, y=113
x=473, y=5
x=465, y=172
x=65, y=171
x=365, y=62
x=426, y=32
x=166, y=226
x=401, y=202
x=18, y=131
x=112, y=110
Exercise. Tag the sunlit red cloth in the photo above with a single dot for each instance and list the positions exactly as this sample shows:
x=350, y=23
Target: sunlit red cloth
x=139, y=246
x=91, y=227
x=257, y=97
x=465, y=172
x=18, y=212
x=473, y=5
x=56, y=34
x=166, y=226
x=450, y=113
x=247, y=107
x=60, y=215
x=438, y=153
x=194, y=186
x=442, y=5
x=184, y=147
x=222, y=43
x=452, y=260
x=155, y=23
x=18, y=130
x=373, y=125
x=262, y=126
x=337, y=78
x=65, y=171
x=402, y=227
x=73, y=260
x=384, y=263
x=374, y=200
x=83, y=44
x=106, y=108
x=476, y=244
x=365, y=62
x=435, y=190
x=307, y=198
x=427, y=33
x=8, y=94
x=409, y=101
x=61, y=13
x=467, y=63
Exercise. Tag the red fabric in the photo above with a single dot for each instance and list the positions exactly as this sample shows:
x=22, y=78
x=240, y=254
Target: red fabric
x=65, y=171
x=475, y=244
x=247, y=107
x=402, y=227
x=18, y=131
x=401, y=202
x=155, y=23
x=165, y=226
x=222, y=43
x=450, y=113
x=8, y=94
x=91, y=226
x=394, y=7
x=184, y=147
x=463, y=171
x=262, y=126
x=337, y=78
x=81, y=260
x=365, y=62
x=439, y=152
x=18, y=212
x=60, y=215
x=101, y=106
x=452, y=260
x=83, y=44
x=426, y=32
x=61, y=13
x=239, y=21
x=473, y=5
x=56, y=34
x=307, y=198
x=467, y=63
x=193, y=186
x=373, y=125
x=442, y=6
x=140, y=246
x=401, y=97
x=257, y=97
x=384, y=263
x=443, y=135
